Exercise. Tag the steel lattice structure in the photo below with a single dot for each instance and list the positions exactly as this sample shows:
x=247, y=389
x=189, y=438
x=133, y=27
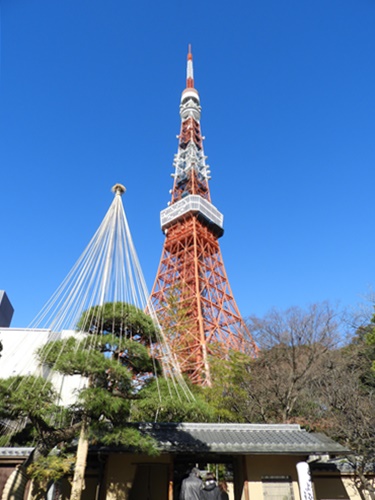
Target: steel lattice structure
x=191, y=294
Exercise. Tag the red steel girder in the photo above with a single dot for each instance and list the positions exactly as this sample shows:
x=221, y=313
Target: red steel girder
x=192, y=273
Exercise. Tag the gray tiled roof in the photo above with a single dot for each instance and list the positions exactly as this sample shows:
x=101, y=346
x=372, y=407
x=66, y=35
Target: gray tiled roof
x=240, y=438
x=15, y=452
x=283, y=439
x=341, y=464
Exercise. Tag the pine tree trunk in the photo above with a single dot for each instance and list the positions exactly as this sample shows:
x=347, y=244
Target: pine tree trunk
x=78, y=484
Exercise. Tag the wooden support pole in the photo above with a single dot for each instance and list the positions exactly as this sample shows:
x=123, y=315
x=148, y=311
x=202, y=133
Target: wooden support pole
x=78, y=484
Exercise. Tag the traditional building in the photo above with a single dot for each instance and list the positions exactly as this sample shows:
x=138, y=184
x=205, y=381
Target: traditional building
x=191, y=294
x=257, y=461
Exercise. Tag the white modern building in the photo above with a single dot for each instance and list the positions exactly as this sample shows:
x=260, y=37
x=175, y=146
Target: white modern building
x=19, y=357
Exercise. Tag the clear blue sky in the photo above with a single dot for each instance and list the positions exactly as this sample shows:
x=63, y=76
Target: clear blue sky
x=90, y=93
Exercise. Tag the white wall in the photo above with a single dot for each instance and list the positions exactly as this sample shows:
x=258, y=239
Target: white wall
x=18, y=357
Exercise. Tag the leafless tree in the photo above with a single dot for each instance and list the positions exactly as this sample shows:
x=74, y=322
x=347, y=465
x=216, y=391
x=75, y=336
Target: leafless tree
x=346, y=399
x=292, y=347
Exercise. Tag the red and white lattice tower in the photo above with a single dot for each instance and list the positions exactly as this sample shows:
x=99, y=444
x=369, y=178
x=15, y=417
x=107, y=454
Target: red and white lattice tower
x=191, y=294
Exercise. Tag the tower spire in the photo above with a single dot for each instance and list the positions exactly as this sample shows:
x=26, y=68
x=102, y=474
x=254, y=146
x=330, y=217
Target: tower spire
x=189, y=70
x=191, y=294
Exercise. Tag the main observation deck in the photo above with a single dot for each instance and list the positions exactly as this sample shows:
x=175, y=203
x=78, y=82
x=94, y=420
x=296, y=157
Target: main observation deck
x=193, y=204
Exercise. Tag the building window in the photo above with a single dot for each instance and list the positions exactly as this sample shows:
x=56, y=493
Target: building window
x=277, y=488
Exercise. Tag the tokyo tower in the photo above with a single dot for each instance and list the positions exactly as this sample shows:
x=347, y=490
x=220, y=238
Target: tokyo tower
x=191, y=294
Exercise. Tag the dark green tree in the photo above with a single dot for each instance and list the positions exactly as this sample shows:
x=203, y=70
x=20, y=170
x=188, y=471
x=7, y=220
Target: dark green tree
x=124, y=385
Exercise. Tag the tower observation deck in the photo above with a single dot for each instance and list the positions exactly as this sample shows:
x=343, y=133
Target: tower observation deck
x=191, y=294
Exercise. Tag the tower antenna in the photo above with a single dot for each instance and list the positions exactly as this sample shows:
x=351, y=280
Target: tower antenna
x=189, y=69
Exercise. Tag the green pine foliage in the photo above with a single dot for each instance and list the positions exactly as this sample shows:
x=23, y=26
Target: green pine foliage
x=160, y=402
x=102, y=404
x=120, y=319
x=27, y=397
x=135, y=440
x=50, y=469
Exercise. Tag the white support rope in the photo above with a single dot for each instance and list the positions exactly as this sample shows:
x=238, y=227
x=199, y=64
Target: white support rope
x=107, y=271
